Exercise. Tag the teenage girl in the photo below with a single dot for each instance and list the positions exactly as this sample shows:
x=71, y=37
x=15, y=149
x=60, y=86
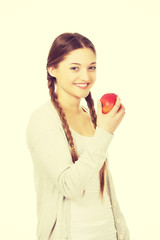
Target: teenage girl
x=68, y=144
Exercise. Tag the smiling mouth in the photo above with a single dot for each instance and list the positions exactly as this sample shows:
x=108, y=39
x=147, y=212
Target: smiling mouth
x=81, y=85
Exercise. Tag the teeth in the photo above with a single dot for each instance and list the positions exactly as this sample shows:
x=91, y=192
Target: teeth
x=81, y=84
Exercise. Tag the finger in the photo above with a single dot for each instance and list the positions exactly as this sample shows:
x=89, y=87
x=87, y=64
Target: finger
x=121, y=107
x=120, y=114
x=115, y=107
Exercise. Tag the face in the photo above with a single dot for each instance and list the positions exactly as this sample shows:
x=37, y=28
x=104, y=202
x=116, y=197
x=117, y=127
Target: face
x=76, y=74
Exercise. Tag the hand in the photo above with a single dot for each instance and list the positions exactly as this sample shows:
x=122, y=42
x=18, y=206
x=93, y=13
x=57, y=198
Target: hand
x=111, y=120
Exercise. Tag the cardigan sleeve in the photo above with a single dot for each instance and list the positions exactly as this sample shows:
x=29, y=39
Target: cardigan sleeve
x=50, y=153
x=120, y=222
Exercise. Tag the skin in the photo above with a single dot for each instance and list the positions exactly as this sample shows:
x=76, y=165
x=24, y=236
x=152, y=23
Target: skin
x=67, y=75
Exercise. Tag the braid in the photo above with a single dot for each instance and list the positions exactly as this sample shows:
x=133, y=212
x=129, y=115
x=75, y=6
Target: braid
x=90, y=104
x=54, y=99
x=93, y=115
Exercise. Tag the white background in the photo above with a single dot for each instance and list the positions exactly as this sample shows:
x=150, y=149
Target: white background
x=126, y=34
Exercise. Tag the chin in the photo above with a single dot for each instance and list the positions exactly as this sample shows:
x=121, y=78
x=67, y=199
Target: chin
x=87, y=94
x=84, y=95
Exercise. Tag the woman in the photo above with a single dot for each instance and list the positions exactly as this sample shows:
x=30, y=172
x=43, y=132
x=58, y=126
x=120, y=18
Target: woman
x=68, y=144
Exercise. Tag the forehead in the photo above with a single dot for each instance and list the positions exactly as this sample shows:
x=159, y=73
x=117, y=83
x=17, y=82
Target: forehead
x=81, y=55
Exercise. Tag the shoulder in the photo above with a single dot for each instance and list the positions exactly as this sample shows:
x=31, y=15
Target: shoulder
x=45, y=114
x=44, y=118
x=47, y=109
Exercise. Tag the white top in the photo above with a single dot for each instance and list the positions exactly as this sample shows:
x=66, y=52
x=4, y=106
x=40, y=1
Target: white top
x=91, y=217
x=57, y=179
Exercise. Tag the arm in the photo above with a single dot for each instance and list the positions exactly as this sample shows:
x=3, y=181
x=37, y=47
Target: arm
x=50, y=153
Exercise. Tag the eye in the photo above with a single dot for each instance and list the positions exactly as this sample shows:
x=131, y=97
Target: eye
x=93, y=68
x=74, y=68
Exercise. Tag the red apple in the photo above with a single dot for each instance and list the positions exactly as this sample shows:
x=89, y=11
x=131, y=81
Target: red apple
x=108, y=101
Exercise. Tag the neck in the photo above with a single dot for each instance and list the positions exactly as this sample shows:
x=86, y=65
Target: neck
x=70, y=105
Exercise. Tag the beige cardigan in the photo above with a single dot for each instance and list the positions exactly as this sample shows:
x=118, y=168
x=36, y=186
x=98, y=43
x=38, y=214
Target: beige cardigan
x=57, y=179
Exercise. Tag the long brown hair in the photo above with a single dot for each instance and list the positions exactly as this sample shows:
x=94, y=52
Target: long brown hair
x=63, y=45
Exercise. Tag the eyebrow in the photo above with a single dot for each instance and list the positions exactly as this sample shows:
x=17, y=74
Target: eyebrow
x=80, y=64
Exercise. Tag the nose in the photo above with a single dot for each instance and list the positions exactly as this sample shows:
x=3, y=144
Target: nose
x=84, y=75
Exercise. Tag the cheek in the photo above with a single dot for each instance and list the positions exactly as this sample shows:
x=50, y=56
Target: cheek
x=72, y=77
x=67, y=79
x=93, y=77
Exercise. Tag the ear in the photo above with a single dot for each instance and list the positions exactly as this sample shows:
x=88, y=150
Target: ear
x=52, y=71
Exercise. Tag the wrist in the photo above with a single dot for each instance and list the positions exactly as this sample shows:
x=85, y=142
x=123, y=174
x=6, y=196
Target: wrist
x=105, y=129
